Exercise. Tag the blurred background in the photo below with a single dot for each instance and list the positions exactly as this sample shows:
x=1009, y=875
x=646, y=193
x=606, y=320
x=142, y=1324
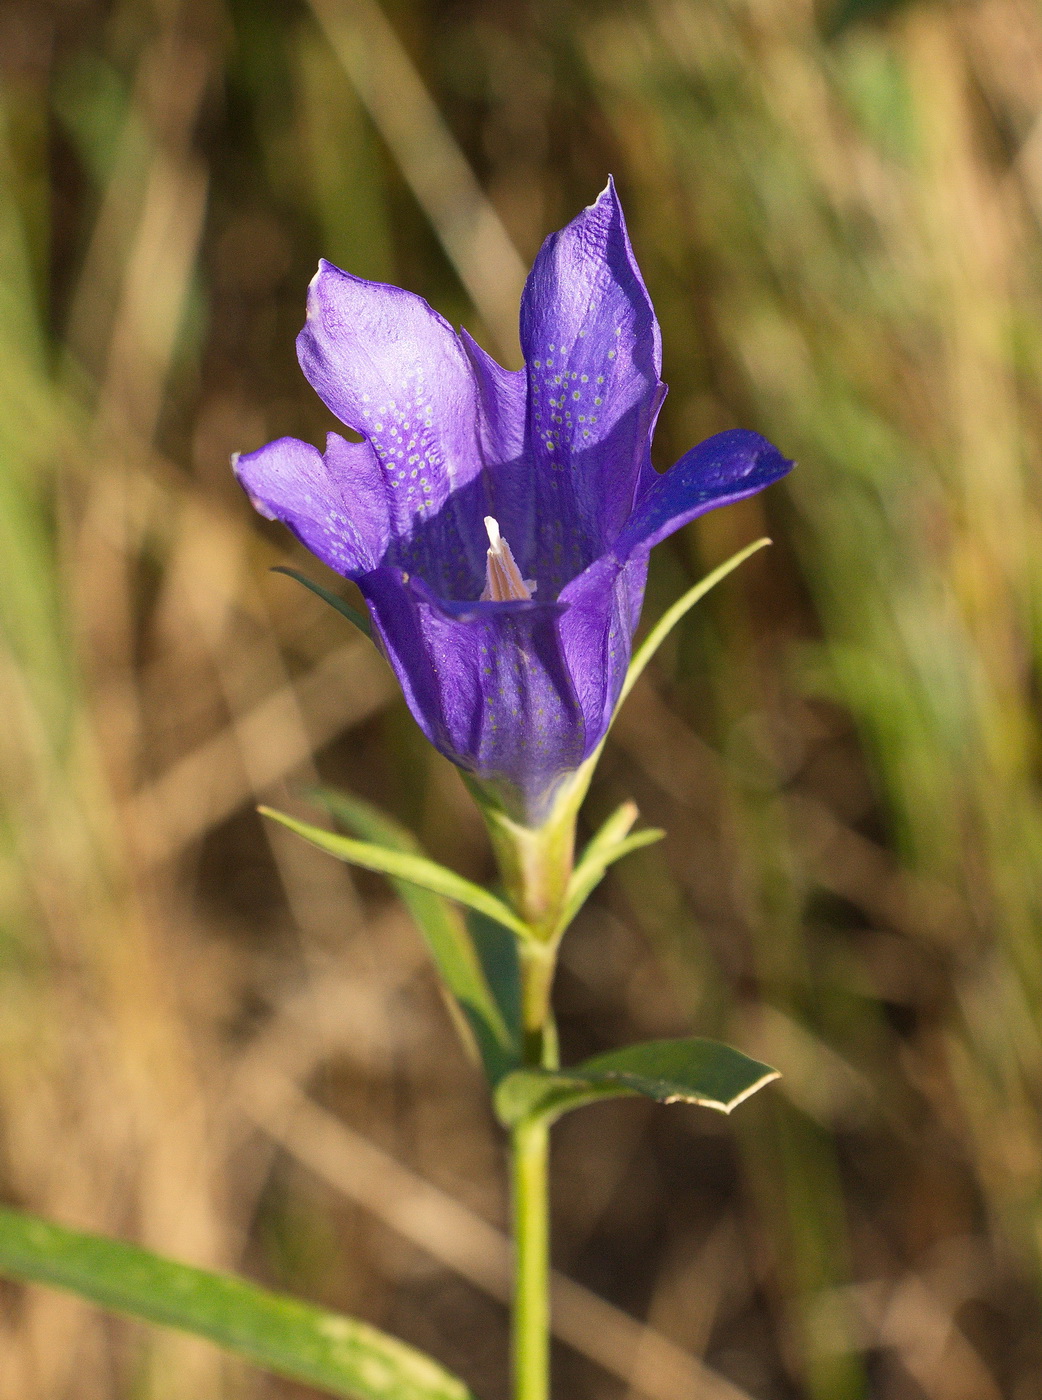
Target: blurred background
x=220, y=1043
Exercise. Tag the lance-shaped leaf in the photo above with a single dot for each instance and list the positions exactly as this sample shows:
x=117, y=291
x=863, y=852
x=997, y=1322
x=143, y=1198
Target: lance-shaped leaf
x=498, y=951
x=403, y=865
x=334, y=600
x=669, y=619
x=669, y=1071
x=337, y=1354
x=448, y=938
x=651, y=644
x=611, y=843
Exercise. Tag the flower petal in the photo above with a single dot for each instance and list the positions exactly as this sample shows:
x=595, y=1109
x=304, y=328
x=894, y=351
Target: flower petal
x=593, y=352
x=724, y=468
x=394, y=370
x=335, y=504
x=596, y=631
x=503, y=396
x=488, y=685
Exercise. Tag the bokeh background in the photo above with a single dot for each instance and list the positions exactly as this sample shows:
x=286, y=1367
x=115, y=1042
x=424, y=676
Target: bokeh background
x=218, y=1042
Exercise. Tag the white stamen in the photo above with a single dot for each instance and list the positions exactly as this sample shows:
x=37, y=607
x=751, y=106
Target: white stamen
x=503, y=581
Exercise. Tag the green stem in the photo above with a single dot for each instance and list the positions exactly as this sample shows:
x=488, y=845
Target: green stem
x=536, y=865
x=538, y=962
x=530, y=1192
x=530, y=1340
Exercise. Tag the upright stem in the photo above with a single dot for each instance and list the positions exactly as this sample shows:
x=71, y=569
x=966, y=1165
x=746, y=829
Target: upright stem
x=537, y=963
x=530, y=1191
x=536, y=866
x=530, y=1339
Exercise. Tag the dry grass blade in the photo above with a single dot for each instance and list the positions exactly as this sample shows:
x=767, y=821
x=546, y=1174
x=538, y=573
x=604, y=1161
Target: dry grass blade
x=431, y=161
x=207, y=785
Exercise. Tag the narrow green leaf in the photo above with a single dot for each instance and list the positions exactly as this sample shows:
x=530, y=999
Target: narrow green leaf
x=611, y=832
x=609, y=844
x=672, y=616
x=401, y=865
x=592, y=872
x=497, y=950
x=338, y=1354
x=580, y=782
x=333, y=599
x=669, y=1071
x=450, y=940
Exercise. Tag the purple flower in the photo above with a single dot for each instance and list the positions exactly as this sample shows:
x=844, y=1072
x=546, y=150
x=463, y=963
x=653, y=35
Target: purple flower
x=498, y=522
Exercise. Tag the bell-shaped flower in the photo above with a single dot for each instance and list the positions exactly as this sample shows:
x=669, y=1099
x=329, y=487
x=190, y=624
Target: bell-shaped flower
x=497, y=522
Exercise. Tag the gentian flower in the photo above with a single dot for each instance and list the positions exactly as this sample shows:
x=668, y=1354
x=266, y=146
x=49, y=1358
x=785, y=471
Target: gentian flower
x=498, y=523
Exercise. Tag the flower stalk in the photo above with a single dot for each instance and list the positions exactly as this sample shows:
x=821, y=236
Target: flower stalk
x=538, y=962
x=530, y=1334
x=536, y=865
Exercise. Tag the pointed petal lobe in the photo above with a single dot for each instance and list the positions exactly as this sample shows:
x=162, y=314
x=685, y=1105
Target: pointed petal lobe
x=335, y=504
x=596, y=628
x=724, y=468
x=394, y=370
x=593, y=353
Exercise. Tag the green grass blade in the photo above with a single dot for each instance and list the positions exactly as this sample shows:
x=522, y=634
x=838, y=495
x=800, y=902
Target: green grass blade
x=402, y=865
x=448, y=937
x=338, y=1354
x=345, y=609
x=672, y=616
x=668, y=1071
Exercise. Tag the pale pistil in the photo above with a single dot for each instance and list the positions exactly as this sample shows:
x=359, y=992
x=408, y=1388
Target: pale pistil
x=503, y=581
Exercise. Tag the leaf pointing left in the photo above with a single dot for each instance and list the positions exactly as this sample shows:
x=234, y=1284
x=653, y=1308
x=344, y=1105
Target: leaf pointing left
x=345, y=609
x=449, y=939
x=338, y=1354
x=402, y=865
